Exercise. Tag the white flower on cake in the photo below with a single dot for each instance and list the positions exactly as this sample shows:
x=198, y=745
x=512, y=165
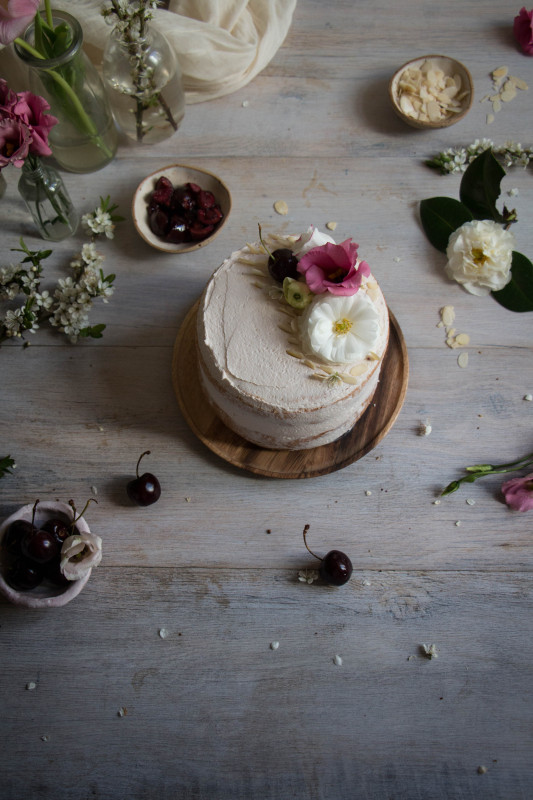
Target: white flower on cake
x=310, y=239
x=341, y=329
x=479, y=256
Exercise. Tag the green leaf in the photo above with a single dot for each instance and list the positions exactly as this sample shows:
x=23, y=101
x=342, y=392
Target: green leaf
x=94, y=332
x=6, y=465
x=440, y=217
x=480, y=187
x=518, y=294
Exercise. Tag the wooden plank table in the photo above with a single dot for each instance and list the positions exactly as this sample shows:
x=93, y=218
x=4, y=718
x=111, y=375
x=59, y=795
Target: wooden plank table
x=212, y=711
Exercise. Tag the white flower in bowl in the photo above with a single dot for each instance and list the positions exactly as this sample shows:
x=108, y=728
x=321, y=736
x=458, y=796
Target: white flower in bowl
x=341, y=329
x=479, y=256
x=79, y=554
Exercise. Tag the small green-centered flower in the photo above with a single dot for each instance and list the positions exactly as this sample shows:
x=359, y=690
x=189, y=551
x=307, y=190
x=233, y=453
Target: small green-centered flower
x=296, y=293
x=6, y=466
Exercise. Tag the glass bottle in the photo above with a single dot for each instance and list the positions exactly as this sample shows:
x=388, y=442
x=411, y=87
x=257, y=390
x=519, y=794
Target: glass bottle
x=47, y=199
x=144, y=85
x=85, y=138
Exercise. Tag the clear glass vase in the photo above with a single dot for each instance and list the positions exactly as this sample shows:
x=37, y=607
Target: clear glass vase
x=144, y=84
x=85, y=138
x=42, y=189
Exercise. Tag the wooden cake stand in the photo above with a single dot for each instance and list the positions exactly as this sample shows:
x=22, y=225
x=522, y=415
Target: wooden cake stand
x=363, y=437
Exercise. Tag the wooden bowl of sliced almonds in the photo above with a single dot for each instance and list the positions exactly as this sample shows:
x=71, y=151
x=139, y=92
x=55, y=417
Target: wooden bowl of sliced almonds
x=431, y=92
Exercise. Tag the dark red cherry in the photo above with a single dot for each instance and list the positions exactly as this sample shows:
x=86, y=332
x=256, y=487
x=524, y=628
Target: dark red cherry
x=59, y=529
x=177, y=231
x=282, y=263
x=162, y=194
x=159, y=221
x=39, y=546
x=144, y=489
x=14, y=535
x=335, y=568
x=52, y=571
x=200, y=232
x=24, y=575
x=206, y=199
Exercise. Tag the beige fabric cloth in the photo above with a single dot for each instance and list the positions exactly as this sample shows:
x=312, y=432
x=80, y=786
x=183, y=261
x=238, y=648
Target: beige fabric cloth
x=221, y=45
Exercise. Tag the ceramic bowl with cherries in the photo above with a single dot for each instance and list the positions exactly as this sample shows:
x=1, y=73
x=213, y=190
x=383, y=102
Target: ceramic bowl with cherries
x=47, y=553
x=180, y=208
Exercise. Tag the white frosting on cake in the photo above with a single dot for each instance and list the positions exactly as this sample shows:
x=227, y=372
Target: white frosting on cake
x=257, y=364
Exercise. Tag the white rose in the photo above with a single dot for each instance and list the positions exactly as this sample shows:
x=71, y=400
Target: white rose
x=340, y=329
x=79, y=554
x=312, y=238
x=479, y=256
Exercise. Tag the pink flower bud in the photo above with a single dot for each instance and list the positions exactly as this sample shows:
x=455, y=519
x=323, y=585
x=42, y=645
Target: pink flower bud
x=518, y=493
x=523, y=30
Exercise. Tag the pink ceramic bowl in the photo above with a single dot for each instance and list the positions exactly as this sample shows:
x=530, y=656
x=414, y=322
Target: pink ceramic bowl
x=46, y=595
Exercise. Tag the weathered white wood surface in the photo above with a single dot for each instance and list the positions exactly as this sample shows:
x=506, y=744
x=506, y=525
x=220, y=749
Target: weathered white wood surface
x=212, y=711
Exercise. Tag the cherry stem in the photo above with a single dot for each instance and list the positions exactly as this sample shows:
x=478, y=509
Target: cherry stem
x=306, y=528
x=33, y=511
x=146, y=453
x=262, y=242
x=73, y=507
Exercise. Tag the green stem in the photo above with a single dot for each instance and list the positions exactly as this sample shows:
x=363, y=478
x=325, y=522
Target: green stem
x=480, y=470
x=86, y=122
x=35, y=163
x=48, y=11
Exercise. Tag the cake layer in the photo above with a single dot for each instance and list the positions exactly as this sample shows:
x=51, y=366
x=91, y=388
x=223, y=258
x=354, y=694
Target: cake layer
x=257, y=363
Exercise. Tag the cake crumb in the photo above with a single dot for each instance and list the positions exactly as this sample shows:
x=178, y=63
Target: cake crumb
x=337, y=660
x=481, y=770
x=436, y=502
x=187, y=499
x=463, y=360
x=368, y=492
x=45, y=738
x=163, y=633
x=308, y=575
x=94, y=490
x=424, y=429
x=458, y=523
x=30, y=686
x=331, y=226
x=274, y=645
x=429, y=651
x=365, y=582
x=281, y=207
x=470, y=501
x=122, y=712
x=528, y=397
x=245, y=103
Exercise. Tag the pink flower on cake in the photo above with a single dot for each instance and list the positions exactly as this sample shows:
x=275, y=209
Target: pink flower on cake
x=15, y=16
x=15, y=141
x=334, y=268
x=31, y=109
x=523, y=30
x=518, y=493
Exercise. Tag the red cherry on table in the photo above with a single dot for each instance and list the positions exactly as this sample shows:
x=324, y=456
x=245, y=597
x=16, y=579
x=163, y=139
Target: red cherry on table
x=144, y=489
x=335, y=567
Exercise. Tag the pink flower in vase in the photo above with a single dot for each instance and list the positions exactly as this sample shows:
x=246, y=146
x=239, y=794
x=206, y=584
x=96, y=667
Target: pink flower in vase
x=333, y=268
x=15, y=16
x=8, y=99
x=518, y=493
x=31, y=108
x=15, y=141
x=523, y=30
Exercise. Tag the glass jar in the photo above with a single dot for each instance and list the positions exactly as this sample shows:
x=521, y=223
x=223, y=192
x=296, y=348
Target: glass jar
x=85, y=138
x=144, y=85
x=47, y=199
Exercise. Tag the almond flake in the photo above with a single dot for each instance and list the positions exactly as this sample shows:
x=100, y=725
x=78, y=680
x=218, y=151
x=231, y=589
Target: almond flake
x=447, y=314
x=490, y=119
x=463, y=360
x=499, y=72
x=358, y=369
x=294, y=354
x=519, y=83
x=462, y=339
x=331, y=226
x=281, y=207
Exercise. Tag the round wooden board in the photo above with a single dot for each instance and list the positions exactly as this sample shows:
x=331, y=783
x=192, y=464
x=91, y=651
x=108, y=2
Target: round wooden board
x=363, y=437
